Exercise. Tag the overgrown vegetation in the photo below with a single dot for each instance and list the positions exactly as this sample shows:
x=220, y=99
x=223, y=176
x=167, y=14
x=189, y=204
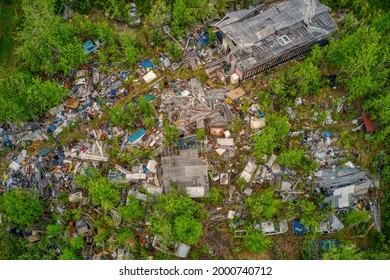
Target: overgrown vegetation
x=47, y=48
x=178, y=218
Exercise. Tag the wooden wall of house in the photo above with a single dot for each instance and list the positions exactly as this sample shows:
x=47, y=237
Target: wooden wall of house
x=280, y=59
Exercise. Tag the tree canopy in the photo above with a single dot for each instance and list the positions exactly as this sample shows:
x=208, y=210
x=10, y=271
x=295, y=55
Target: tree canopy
x=22, y=207
x=102, y=191
x=177, y=218
x=256, y=241
x=271, y=137
x=265, y=206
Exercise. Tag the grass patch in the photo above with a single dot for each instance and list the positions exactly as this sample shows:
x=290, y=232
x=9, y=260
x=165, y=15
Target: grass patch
x=10, y=16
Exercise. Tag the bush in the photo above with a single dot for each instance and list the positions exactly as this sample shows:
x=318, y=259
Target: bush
x=256, y=241
x=264, y=206
x=133, y=211
x=171, y=133
x=200, y=134
x=291, y=158
x=22, y=207
x=271, y=137
x=215, y=196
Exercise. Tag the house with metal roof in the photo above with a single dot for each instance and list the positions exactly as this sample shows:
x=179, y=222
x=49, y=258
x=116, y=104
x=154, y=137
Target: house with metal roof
x=263, y=37
x=342, y=185
x=187, y=169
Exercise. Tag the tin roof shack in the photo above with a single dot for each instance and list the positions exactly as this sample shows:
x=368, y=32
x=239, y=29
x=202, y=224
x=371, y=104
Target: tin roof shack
x=180, y=250
x=331, y=224
x=269, y=228
x=135, y=19
x=186, y=168
x=343, y=185
x=266, y=36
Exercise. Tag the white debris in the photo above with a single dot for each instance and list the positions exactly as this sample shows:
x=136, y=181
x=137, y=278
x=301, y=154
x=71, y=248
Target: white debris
x=231, y=214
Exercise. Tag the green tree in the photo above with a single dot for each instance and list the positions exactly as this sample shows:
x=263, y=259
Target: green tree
x=102, y=191
x=362, y=57
x=115, y=9
x=264, y=206
x=46, y=43
x=310, y=215
x=145, y=107
x=309, y=250
x=69, y=254
x=149, y=123
x=236, y=125
x=124, y=117
x=291, y=157
x=241, y=183
x=176, y=51
x=278, y=87
x=30, y=96
x=355, y=218
x=133, y=211
x=171, y=133
x=347, y=251
x=305, y=78
x=187, y=229
x=256, y=241
x=22, y=207
x=123, y=236
x=271, y=137
x=10, y=248
x=132, y=49
x=377, y=247
x=177, y=218
x=135, y=156
x=186, y=13
x=160, y=14
x=54, y=230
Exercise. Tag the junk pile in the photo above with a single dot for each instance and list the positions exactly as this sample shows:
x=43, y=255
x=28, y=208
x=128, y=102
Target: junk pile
x=189, y=107
x=321, y=148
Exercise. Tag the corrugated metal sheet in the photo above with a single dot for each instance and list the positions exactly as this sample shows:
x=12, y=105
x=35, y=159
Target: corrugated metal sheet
x=257, y=36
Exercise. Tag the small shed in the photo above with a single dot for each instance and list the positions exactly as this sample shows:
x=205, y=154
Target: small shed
x=149, y=77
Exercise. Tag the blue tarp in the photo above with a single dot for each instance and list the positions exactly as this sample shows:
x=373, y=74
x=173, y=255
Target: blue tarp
x=147, y=64
x=149, y=97
x=204, y=38
x=297, y=227
x=326, y=134
x=123, y=74
x=89, y=47
x=136, y=136
x=45, y=151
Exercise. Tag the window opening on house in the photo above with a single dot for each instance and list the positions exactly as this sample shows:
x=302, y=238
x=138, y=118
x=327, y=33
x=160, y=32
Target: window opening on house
x=283, y=40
